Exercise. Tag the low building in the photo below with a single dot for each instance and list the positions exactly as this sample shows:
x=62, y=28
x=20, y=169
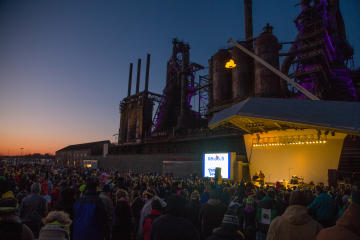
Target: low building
x=74, y=155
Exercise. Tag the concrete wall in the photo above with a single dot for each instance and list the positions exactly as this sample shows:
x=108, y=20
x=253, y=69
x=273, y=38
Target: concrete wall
x=311, y=161
x=143, y=162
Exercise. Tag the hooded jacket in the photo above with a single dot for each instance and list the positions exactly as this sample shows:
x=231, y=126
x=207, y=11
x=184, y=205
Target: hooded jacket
x=294, y=224
x=347, y=227
x=211, y=215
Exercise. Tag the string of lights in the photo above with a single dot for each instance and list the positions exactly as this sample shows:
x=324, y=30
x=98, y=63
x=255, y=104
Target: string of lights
x=288, y=140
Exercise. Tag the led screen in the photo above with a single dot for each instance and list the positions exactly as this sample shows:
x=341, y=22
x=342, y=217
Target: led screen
x=214, y=160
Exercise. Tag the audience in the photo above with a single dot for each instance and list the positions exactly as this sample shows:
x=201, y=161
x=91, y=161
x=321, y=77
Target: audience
x=93, y=204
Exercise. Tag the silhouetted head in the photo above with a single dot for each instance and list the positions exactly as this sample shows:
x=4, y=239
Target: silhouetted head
x=297, y=198
x=214, y=194
x=176, y=205
x=35, y=187
x=156, y=205
x=318, y=189
x=270, y=194
x=92, y=183
x=106, y=188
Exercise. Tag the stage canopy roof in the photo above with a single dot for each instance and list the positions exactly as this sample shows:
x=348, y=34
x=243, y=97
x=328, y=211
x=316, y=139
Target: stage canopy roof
x=255, y=115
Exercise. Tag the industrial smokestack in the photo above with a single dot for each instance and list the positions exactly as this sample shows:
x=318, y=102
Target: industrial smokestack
x=248, y=19
x=147, y=73
x=138, y=76
x=130, y=79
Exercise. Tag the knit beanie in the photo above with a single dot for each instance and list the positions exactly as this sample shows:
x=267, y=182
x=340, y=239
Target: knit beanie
x=8, y=202
x=195, y=195
x=230, y=217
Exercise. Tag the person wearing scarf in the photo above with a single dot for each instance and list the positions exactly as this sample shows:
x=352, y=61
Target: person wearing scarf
x=57, y=226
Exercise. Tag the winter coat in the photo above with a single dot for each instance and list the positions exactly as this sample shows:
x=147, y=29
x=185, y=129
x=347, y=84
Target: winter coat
x=148, y=223
x=347, y=227
x=136, y=209
x=294, y=224
x=192, y=210
x=123, y=223
x=168, y=227
x=53, y=232
x=33, y=208
x=109, y=207
x=267, y=210
x=211, y=215
x=145, y=211
x=90, y=219
x=12, y=228
x=324, y=207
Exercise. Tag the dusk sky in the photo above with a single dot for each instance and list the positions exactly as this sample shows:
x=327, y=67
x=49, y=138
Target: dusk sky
x=64, y=63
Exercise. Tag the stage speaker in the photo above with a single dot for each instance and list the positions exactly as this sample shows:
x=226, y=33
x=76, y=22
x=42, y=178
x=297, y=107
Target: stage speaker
x=217, y=173
x=332, y=177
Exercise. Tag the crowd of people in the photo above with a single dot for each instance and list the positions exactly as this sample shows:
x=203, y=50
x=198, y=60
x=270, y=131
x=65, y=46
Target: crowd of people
x=44, y=202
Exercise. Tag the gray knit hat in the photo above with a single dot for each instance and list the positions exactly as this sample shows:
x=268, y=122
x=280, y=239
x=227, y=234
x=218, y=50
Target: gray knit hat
x=230, y=216
x=35, y=187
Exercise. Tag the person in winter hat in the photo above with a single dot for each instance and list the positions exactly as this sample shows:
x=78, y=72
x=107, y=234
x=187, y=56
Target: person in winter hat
x=250, y=219
x=156, y=211
x=211, y=214
x=10, y=224
x=173, y=225
x=324, y=207
x=229, y=228
x=90, y=218
x=57, y=226
x=348, y=225
x=192, y=209
x=33, y=208
x=295, y=223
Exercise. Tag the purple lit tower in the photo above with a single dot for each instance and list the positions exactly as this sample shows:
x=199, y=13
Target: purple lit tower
x=321, y=52
x=175, y=110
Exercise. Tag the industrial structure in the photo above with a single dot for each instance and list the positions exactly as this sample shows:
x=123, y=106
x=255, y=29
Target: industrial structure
x=158, y=131
x=318, y=57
